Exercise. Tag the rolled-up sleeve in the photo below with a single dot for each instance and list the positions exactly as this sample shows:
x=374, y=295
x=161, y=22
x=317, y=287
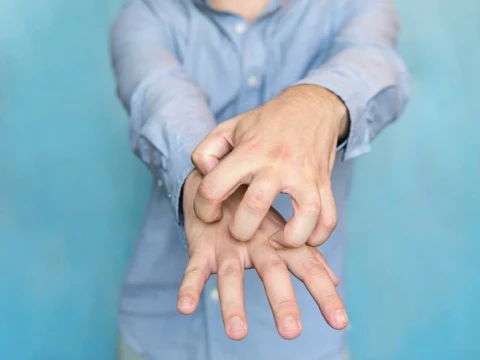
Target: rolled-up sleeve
x=169, y=114
x=364, y=69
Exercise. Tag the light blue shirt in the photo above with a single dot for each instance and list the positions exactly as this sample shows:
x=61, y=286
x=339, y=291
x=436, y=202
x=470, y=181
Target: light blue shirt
x=181, y=68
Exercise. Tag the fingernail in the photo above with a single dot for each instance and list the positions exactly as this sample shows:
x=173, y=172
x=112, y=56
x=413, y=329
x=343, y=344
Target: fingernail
x=185, y=303
x=290, y=324
x=341, y=318
x=236, y=325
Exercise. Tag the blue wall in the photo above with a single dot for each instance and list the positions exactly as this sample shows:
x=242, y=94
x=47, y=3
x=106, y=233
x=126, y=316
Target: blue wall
x=71, y=193
x=72, y=196
x=414, y=270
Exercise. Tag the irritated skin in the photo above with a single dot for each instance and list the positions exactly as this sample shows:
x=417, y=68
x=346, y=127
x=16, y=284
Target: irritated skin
x=288, y=145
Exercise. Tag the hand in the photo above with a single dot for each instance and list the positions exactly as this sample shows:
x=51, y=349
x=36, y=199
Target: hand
x=213, y=250
x=286, y=146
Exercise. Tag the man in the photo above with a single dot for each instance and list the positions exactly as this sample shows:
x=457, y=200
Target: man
x=305, y=86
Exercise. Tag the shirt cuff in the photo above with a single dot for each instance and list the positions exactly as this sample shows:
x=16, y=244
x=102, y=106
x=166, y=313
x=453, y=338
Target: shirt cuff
x=172, y=170
x=358, y=140
x=172, y=173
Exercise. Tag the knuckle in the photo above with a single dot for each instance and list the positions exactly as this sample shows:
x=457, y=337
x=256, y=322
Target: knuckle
x=206, y=190
x=250, y=145
x=312, y=208
x=194, y=271
x=256, y=202
x=272, y=265
x=230, y=269
x=330, y=297
x=231, y=307
x=330, y=222
x=286, y=303
x=314, y=268
x=268, y=177
x=188, y=290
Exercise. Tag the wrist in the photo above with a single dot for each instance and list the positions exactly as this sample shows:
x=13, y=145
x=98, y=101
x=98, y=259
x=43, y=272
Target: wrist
x=326, y=103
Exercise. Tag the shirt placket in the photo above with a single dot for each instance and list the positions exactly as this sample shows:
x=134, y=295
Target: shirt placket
x=250, y=46
x=253, y=57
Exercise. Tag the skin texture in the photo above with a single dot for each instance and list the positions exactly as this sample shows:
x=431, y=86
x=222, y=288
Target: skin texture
x=248, y=9
x=288, y=145
x=212, y=249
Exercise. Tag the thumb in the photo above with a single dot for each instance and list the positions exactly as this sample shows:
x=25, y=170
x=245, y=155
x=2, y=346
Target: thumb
x=214, y=147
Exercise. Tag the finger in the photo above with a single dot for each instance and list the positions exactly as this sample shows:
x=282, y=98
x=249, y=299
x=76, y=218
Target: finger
x=274, y=225
x=327, y=220
x=194, y=279
x=230, y=288
x=274, y=222
x=254, y=206
x=307, y=207
x=278, y=287
x=220, y=183
x=214, y=147
x=307, y=268
x=276, y=217
x=319, y=256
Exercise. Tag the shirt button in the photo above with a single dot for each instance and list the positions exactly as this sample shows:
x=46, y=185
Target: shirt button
x=252, y=80
x=214, y=295
x=240, y=28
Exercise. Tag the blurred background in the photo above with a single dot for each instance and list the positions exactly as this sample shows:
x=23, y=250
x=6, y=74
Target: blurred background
x=72, y=196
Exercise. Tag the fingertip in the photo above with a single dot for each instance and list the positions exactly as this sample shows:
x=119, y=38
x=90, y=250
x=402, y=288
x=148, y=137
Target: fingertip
x=202, y=162
x=186, y=305
x=340, y=319
x=295, y=234
x=207, y=165
x=209, y=218
x=236, y=328
x=238, y=235
x=279, y=241
x=315, y=242
x=289, y=328
x=216, y=216
x=291, y=243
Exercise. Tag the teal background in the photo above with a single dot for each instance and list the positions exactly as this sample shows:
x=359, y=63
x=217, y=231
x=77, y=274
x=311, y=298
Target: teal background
x=72, y=196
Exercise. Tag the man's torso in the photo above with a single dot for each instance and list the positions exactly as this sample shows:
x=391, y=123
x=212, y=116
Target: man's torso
x=240, y=66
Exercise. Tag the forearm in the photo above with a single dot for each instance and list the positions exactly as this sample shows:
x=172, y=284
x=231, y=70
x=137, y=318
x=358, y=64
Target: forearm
x=165, y=129
x=169, y=115
x=365, y=71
